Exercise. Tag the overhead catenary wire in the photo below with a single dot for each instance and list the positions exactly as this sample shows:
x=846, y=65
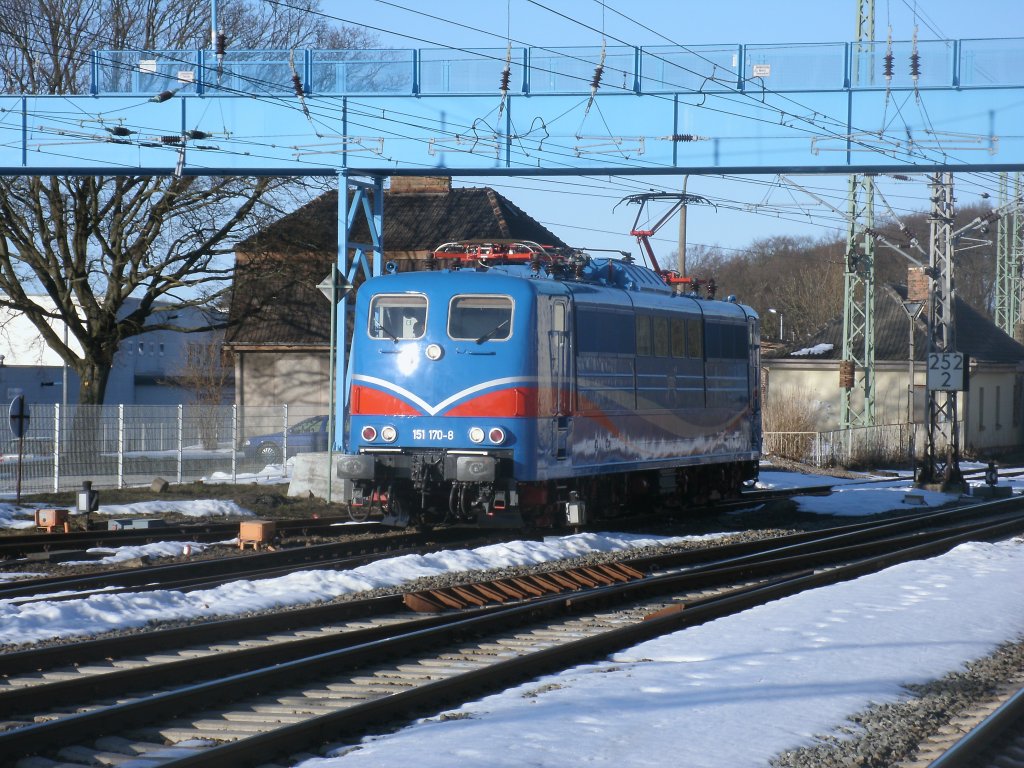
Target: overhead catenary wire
x=408, y=124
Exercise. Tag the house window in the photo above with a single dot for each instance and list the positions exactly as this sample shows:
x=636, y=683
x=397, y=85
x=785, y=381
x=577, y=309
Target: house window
x=142, y=347
x=981, y=408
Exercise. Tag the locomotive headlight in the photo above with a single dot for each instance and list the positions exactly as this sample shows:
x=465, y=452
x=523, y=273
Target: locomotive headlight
x=496, y=435
x=369, y=434
x=476, y=434
x=433, y=351
x=388, y=434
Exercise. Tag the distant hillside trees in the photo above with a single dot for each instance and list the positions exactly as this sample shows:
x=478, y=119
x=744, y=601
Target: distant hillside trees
x=802, y=277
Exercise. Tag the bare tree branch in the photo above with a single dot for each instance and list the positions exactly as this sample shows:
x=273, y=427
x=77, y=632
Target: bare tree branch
x=114, y=255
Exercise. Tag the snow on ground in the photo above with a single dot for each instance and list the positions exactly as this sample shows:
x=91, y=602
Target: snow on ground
x=734, y=692
x=152, y=551
x=44, y=619
x=726, y=694
x=272, y=474
x=854, y=497
x=16, y=516
x=193, y=508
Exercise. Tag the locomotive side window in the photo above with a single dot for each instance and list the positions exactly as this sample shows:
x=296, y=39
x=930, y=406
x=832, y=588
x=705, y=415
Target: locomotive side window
x=643, y=335
x=660, y=336
x=678, y=337
x=604, y=332
x=694, y=348
x=480, y=318
x=398, y=316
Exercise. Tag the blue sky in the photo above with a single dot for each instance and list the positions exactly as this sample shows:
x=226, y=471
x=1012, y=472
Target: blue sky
x=583, y=210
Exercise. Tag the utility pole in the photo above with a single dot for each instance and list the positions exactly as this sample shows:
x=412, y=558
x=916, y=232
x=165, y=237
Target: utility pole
x=857, y=368
x=681, y=261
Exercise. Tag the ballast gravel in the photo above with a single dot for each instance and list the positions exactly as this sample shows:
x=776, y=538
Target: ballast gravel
x=884, y=735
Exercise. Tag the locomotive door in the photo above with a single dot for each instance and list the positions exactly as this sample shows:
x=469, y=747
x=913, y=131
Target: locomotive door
x=754, y=382
x=562, y=380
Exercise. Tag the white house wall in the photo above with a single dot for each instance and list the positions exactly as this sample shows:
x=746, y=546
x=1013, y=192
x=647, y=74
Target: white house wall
x=987, y=409
x=141, y=373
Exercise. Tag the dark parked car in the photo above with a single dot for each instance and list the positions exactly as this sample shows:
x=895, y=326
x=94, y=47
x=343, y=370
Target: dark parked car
x=308, y=435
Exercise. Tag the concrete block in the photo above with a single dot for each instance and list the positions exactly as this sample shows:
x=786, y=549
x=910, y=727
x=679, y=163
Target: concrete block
x=310, y=476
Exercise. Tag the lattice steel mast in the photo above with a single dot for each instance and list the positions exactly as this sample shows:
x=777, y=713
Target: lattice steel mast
x=942, y=443
x=1010, y=260
x=857, y=368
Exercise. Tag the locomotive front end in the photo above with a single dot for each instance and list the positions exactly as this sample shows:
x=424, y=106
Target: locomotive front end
x=441, y=394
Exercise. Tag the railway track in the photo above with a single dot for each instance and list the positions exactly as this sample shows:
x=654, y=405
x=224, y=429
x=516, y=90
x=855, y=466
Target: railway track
x=366, y=669
x=204, y=574
x=990, y=735
x=20, y=545
x=201, y=574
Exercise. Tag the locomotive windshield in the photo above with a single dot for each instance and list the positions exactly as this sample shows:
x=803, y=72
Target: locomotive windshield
x=480, y=318
x=398, y=317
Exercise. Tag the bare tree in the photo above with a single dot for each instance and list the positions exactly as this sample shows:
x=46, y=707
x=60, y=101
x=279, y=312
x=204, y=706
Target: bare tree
x=801, y=277
x=92, y=243
x=206, y=372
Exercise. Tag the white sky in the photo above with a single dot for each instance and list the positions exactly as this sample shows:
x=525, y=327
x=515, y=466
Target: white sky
x=727, y=694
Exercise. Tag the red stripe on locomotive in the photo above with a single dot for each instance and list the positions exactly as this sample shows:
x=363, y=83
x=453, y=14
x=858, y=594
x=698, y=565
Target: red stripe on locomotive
x=373, y=402
x=504, y=403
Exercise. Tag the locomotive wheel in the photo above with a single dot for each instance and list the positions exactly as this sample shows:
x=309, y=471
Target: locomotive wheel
x=395, y=513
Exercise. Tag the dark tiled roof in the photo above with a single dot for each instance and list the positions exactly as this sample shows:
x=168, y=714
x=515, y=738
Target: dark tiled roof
x=275, y=299
x=413, y=221
x=976, y=335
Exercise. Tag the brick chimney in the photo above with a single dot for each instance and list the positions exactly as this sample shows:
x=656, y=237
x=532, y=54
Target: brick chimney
x=438, y=185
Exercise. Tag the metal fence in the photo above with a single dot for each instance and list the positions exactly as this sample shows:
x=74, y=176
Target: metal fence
x=126, y=445
x=860, y=446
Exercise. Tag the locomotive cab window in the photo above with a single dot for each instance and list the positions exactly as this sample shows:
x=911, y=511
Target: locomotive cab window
x=480, y=318
x=397, y=317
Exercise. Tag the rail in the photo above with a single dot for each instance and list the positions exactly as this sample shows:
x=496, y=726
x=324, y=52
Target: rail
x=786, y=576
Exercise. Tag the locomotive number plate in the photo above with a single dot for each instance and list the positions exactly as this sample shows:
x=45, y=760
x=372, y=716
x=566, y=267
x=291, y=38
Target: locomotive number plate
x=433, y=434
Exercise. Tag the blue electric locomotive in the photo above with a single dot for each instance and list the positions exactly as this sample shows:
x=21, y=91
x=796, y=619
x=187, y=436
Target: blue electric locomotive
x=512, y=385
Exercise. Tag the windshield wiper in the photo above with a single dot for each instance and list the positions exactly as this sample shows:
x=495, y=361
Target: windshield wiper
x=493, y=331
x=386, y=332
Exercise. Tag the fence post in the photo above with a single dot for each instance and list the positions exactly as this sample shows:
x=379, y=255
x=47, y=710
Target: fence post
x=284, y=440
x=120, y=445
x=181, y=439
x=56, y=446
x=234, y=442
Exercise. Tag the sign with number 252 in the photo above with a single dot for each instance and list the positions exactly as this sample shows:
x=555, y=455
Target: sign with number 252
x=946, y=371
